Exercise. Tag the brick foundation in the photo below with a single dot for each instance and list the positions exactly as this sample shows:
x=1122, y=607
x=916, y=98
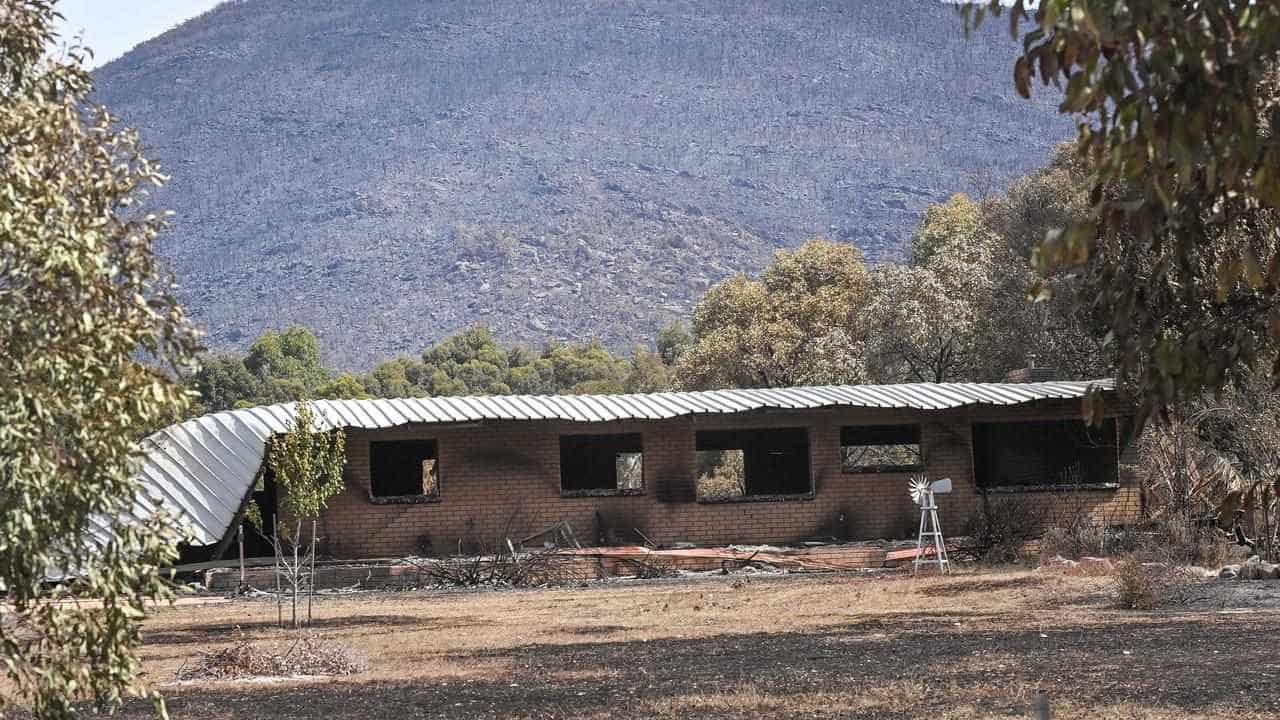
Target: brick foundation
x=584, y=564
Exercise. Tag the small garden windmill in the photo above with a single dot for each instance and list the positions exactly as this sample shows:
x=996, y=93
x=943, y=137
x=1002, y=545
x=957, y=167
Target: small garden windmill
x=922, y=493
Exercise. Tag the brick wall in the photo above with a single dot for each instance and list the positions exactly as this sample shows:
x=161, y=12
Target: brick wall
x=502, y=479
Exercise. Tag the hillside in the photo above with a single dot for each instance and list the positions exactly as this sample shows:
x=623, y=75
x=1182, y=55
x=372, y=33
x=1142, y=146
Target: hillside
x=387, y=172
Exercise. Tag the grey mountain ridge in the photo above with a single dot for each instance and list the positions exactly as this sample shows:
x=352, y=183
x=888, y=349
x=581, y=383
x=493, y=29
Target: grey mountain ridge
x=389, y=172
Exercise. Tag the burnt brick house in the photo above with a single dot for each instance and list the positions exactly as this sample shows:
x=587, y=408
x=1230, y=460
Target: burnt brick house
x=715, y=467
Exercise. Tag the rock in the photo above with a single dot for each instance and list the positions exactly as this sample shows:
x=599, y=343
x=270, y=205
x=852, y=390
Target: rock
x=1060, y=564
x=1250, y=571
x=1253, y=560
x=1268, y=571
x=1230, y=572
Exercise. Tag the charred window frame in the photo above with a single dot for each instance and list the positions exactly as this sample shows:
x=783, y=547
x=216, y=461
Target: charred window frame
x=880, y=449
x=746, y=465
x=404, y=471
x=601, y=465
x=1046, y=455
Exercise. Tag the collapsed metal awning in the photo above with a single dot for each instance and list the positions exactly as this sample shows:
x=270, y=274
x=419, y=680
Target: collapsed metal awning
x=202, y=469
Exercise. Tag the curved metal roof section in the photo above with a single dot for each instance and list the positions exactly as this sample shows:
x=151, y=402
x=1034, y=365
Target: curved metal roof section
x=202, y=469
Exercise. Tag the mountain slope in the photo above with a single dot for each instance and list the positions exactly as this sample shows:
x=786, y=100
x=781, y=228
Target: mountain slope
x=387, y=172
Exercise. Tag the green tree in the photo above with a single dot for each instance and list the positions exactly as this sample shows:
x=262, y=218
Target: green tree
x=307, y=463
x=801, y=323
x=287, y=367
x=224, y=383
x=1176, y=102
x=928, y=317
x=394, y=379
x=533, y=377
x=345, y=386
x=1061, y=329
x=648, y=373
x=288, y=364
x=279, y=367
x=958, y=221
x=581, y=368
x=673, y=339
x=468, y=363
x=91, y=335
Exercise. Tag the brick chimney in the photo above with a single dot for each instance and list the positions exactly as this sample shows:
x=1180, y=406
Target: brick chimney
x=1031, y=373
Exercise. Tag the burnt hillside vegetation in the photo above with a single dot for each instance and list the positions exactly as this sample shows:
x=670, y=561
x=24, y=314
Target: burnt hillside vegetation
x=389, y=172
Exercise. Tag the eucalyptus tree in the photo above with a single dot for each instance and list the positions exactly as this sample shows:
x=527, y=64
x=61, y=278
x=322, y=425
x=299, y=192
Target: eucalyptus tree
x=1177, y=105
x=92, y=337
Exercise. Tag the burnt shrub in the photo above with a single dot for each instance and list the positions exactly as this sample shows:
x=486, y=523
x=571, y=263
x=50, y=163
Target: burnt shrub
x=1078, y=534
x=1150, y=586
x=1002, y=530
x=1179, y=539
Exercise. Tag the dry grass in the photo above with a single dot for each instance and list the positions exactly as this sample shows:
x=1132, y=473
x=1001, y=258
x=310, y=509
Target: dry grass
x=973, y=645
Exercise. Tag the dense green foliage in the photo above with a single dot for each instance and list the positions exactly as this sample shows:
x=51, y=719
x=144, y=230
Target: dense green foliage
x=801, y=323
x=278, y=367
x=307, y=462
x=89, y=331
x=287, y=366
x=1176, y=104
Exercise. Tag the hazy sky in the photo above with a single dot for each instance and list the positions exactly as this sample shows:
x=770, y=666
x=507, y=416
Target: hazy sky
x=112, y=27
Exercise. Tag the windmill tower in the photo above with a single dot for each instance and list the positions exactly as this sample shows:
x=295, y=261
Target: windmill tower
x=930, y=537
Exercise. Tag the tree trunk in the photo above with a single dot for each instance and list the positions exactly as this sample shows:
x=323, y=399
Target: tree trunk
x=275, y=551
x=297, y=569
x=1269, y=552
x=311, y=578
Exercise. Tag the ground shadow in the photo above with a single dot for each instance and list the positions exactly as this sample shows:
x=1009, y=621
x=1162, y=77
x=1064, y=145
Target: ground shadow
x=230, y=632
x=1167, y=662
x=962, y=587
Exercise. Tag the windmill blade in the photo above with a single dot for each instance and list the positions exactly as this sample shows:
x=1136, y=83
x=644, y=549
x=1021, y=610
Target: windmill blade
x=918, y=487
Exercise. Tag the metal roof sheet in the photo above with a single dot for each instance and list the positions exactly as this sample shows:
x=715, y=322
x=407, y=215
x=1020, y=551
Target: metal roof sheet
x=202, y=469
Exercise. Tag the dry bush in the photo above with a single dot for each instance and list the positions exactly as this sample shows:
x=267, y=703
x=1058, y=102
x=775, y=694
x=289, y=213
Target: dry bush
x=1213, y=461
x=1149, y=586
x=308, y=655
x=459, y=571
x=535, y=570
x=1172, y=539
x=511, y=569
x=502, y=562
x=1178, y=539
x=1078, y=535
x=1074, y=541
x=1002, y=530
x=653, y=567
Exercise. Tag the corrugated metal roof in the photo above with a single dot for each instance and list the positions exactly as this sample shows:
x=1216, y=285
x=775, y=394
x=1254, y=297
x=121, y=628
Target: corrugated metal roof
x=202, y=469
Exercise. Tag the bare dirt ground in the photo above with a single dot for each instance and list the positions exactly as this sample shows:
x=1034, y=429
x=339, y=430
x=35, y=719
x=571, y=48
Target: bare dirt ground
x=972, y=645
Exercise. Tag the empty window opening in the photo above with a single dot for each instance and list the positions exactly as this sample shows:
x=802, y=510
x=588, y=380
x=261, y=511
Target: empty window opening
x=1047, y=454
x=404, y=469
x=721, y=474
x=601, y=464
x=880, y=448
x=745, y=463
